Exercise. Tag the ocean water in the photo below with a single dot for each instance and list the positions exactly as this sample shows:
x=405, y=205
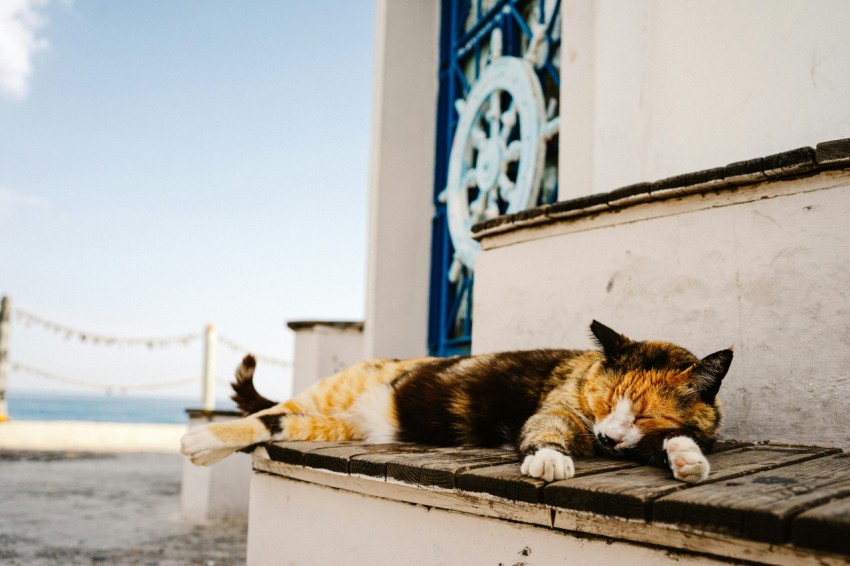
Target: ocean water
x=102, y=408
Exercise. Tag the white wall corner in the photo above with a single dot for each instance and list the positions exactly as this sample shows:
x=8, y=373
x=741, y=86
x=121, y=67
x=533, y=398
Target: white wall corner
x=323, y=348
x=401, y=177
x=219, y=491
x=622, y=69
x=575, y=157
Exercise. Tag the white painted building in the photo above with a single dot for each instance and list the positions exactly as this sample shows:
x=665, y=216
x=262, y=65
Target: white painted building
x=680, y=213
x=649, y=89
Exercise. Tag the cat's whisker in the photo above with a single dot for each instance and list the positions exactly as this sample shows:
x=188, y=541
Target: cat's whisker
x=586, y=420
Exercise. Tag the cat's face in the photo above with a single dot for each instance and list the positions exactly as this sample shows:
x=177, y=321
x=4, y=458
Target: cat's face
x=643, y=389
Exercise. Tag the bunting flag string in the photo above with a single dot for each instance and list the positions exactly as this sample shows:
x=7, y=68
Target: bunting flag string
x=242, y=350
x=102, y=339
x=93, y=338
x=107, y=387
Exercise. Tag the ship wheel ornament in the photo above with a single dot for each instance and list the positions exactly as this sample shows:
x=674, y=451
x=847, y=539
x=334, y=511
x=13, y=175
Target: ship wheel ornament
x=499, y=147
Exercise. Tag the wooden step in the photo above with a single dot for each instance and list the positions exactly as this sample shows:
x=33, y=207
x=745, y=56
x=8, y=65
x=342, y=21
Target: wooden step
x=765, y=503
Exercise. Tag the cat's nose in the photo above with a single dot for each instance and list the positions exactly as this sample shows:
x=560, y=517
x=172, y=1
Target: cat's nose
x=606, y=440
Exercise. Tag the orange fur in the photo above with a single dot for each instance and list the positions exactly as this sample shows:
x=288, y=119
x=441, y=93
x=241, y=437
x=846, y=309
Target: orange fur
x=240, y=432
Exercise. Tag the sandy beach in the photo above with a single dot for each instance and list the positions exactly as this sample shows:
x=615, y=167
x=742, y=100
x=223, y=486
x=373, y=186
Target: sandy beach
x=86, y=493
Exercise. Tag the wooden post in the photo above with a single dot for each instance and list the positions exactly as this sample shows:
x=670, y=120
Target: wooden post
x=208, y=386
x=5, y=309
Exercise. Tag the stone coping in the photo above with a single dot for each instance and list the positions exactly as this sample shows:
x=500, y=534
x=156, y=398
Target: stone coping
x=763, y=503
x=297, y=325
x=800, y=162
x=210, y=415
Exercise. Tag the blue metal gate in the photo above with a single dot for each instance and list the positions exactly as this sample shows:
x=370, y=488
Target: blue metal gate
x=467, y=45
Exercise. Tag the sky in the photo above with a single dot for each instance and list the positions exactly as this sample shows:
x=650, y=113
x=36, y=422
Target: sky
x=165, y=164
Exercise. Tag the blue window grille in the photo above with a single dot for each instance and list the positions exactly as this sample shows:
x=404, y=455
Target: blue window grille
x=465, y=39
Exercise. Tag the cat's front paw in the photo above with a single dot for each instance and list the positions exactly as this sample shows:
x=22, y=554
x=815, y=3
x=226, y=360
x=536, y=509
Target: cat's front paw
x=203, y=447
x=548, y=464
x=686, y=460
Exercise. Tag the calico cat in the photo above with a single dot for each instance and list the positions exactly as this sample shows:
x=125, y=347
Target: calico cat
x=651, y=401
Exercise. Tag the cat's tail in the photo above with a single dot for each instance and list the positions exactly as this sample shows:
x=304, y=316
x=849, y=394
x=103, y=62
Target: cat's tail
x=245, y=395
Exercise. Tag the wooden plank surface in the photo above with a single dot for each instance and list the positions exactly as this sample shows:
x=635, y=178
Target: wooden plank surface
x=760, y=506
x=759, y=501
x=338, y=458
x=374, y=463
x=294, y=452
x=503, y=480
x=444, y=473
x=506, y=480
x=408, y=493
x=825, y=528
x=630, y=493
x=439, y=467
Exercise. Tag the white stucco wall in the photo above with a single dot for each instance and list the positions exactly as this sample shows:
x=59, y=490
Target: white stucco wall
x=292, y=522
x=762, y=269
x=322, y=349
x=654, y=88
x=219, y=491
x=401, y=177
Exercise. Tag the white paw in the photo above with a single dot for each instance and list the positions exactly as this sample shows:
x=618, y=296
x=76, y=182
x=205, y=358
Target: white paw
x=203, y=447
x=548, y=464
x=686, y=459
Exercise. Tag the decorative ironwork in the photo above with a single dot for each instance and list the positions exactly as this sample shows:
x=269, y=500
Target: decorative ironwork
x=497, y=139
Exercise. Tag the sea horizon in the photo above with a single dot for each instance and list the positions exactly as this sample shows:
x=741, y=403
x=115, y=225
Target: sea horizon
x=93, y=407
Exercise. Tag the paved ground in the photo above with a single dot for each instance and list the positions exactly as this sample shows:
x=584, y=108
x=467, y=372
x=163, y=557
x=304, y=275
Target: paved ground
x=104, y=508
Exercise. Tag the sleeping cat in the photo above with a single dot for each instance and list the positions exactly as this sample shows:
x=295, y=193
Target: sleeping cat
x=651, y=401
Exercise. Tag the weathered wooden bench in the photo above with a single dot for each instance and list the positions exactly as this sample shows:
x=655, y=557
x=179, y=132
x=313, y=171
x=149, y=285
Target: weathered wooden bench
x=763, y=503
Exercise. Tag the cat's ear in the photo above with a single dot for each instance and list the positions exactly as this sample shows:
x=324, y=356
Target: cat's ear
x=708, y=373
x=611, y=341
